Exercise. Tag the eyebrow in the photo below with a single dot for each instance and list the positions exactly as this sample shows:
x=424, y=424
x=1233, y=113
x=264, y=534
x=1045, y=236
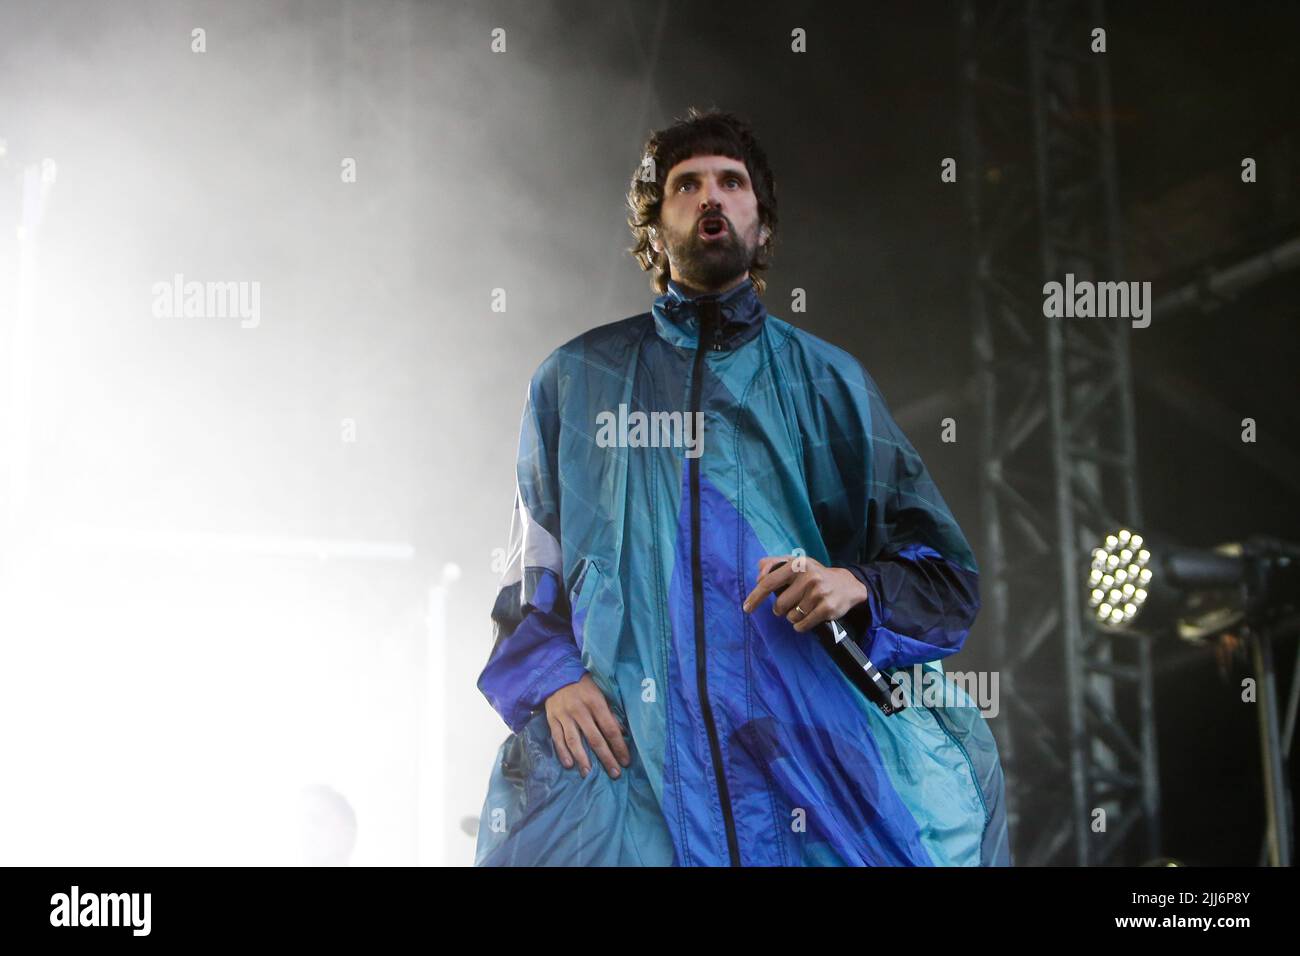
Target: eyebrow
x=694, y=174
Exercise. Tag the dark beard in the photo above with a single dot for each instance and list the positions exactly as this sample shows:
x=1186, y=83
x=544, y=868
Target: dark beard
x=704, y=265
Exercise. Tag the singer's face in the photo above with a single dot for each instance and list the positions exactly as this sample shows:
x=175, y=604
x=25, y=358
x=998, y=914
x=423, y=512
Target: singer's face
x=709, y=222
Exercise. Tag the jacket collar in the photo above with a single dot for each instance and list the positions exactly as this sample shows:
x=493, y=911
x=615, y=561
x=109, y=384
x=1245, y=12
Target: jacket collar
x=740, y=311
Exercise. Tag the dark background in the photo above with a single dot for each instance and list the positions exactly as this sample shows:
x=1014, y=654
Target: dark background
x=855, y=131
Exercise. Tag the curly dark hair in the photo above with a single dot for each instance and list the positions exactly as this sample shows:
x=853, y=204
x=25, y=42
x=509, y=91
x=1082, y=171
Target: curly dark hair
x=714, y=132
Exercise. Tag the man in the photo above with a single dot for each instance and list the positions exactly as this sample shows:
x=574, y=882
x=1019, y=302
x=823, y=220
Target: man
x=665, y=708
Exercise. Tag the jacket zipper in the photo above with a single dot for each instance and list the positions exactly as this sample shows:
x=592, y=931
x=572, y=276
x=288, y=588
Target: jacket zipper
x=707, y=334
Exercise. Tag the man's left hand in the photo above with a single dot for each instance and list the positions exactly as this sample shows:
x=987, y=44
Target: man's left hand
x=815, y=593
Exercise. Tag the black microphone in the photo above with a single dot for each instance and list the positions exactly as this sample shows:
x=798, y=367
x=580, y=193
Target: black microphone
x=843, y=647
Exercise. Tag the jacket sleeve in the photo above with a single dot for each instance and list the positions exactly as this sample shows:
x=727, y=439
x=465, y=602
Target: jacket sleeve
x=534, y=652
x=920, y=574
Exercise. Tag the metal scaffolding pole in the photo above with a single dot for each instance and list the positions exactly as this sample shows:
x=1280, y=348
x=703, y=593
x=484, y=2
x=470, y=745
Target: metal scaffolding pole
x=1058, y=456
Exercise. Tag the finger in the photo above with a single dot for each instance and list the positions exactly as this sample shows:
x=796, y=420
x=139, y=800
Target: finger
x=817, y=613
x=795, y=593
x=574, y=740
x=557, y=738
x=613, y=733
x=766, y=566
x=598, y=744
x=769, y=582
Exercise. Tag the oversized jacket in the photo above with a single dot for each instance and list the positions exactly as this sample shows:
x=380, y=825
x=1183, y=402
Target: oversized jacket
x=634, y=543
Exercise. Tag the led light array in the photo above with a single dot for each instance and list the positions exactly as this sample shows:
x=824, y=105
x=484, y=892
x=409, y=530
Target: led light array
x=1119, y=578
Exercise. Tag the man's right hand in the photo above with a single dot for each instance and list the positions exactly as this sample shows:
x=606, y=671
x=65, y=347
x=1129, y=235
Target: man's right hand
x=580, y=710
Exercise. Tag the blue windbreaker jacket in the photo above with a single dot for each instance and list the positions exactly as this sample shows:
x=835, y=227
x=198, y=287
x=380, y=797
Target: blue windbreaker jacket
x=749, y=746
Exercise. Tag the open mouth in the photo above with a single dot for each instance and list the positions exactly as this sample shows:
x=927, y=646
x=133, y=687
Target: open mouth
x=713, y=227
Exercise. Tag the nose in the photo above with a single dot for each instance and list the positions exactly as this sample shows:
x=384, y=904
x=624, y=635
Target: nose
x=708, y=202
